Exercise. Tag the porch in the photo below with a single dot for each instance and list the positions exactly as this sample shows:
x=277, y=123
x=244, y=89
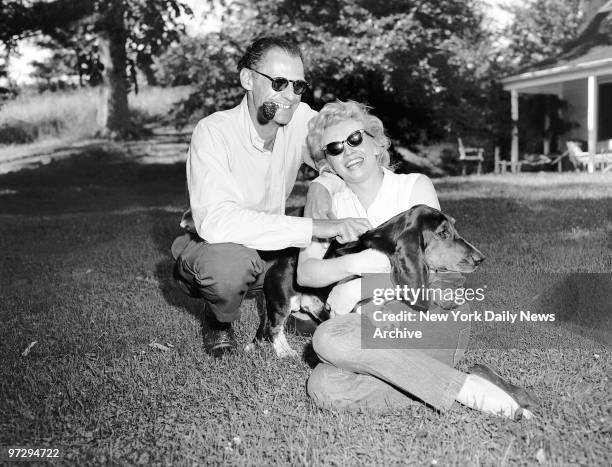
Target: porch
x=586, y=85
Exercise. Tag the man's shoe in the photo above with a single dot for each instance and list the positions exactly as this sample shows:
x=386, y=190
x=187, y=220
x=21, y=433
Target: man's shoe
x=219, y=338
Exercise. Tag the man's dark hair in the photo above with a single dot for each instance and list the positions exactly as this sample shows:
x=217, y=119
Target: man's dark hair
x=257, y=49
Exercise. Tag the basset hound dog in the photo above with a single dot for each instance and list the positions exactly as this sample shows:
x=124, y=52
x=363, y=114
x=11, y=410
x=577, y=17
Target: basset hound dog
x=415, y=241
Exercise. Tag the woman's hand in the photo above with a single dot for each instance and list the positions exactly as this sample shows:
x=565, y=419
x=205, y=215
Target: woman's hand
x=368, y=261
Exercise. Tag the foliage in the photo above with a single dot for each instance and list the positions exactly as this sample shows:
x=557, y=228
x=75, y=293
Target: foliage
x=20, y=18
x=72, y=26
x=540, y=29
x=140, y=27
x=398, y=56
x=210, y=65
x=75, y=53
x=429, y=69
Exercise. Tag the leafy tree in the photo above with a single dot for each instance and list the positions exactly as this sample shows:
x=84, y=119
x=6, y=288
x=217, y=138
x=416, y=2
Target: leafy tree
x=540, y=29
x=395, y=55
x=75, y=51
x=143, y=27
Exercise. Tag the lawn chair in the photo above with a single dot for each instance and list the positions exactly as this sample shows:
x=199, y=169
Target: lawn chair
x=539, y=162
x=470, y=155
x=581, y=159
x=532, y=162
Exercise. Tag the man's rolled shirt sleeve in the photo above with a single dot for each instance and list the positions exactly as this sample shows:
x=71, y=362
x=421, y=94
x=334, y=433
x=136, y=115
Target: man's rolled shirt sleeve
x=217, y=202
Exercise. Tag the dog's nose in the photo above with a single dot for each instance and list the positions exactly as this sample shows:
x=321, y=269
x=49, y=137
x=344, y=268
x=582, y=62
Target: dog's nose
x=478, y=258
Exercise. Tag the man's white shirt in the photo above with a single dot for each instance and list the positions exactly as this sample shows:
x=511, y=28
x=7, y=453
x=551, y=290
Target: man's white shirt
x=238, y=189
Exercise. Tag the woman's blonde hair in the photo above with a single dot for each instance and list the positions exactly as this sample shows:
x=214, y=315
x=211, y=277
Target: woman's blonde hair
x=335, y=112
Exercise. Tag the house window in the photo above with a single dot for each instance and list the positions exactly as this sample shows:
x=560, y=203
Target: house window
x=605, y=112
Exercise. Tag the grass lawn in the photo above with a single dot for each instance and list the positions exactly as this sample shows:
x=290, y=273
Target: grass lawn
x=86, y=274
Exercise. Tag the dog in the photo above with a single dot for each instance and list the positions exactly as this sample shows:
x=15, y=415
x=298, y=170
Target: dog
x=415, y=241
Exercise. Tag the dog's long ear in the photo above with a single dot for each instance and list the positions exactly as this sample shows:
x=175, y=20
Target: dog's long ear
x=408, y=263
x=338, y=249
x=380, y=238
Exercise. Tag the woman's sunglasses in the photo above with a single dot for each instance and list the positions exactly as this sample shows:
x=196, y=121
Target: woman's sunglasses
x=279, y=84
x=353, y=140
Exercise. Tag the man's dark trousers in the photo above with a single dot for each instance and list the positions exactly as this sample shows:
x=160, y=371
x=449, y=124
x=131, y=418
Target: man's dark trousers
x=221, y=273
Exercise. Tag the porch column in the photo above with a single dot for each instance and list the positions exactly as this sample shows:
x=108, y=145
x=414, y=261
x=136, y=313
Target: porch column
x=592, y=120
x=514, y=150
x=546, y=148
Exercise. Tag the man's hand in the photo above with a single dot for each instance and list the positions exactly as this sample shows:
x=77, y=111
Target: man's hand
x=318, y=203
x=344, y=230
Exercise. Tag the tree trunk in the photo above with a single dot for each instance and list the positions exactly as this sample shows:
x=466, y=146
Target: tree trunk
x=146, y=66
x=113, y=111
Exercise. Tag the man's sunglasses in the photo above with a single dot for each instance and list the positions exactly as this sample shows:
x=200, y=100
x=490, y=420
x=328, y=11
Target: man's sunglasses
x=353, y=140
x=279, y=84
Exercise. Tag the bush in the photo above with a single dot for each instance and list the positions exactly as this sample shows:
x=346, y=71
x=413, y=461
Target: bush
x=18, y=132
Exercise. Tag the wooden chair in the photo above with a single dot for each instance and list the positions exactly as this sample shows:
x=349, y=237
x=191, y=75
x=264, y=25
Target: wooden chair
x=581, y=159
x=470, y=155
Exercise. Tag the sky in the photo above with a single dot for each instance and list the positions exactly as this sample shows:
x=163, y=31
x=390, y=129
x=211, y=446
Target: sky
x=497, y=14
x=20, y=66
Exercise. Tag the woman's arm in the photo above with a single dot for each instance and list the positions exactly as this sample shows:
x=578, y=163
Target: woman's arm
x=313, y=271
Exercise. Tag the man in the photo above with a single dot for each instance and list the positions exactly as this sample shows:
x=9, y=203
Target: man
x=241, y=167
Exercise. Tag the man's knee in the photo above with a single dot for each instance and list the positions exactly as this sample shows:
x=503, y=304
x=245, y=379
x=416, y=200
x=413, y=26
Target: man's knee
x=225, y=262
x=219, y=270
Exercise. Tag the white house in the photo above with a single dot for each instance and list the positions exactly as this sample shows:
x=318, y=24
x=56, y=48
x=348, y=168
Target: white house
x=581, y=76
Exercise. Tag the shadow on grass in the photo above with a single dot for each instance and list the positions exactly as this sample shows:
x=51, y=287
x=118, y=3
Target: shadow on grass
x=163, y=234
x=101, y=179
x=582, y=300
x=310, y=356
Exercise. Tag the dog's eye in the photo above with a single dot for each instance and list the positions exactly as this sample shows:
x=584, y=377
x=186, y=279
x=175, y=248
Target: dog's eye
x=444, y=234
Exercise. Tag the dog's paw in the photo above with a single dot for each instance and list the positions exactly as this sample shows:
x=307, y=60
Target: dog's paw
x=251, y=347
x=282, y=348
x=286, y=353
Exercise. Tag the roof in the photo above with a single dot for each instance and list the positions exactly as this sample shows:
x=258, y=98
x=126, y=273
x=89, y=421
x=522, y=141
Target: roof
x=590, y=53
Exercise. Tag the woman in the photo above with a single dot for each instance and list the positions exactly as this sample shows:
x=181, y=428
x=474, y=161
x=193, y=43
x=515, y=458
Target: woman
x=352, y=143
